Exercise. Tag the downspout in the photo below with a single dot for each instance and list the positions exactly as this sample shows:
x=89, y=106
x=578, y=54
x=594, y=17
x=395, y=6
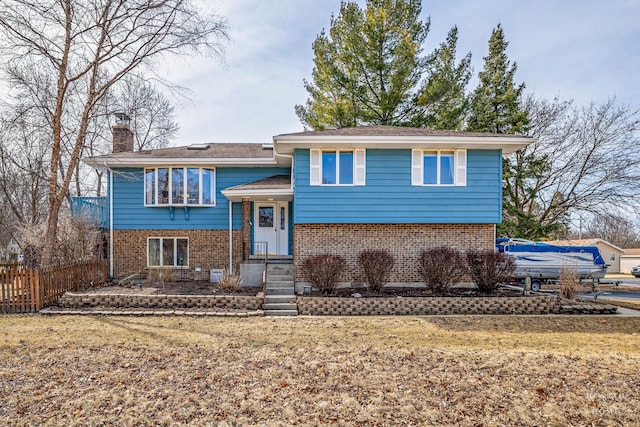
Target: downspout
x=230, y=237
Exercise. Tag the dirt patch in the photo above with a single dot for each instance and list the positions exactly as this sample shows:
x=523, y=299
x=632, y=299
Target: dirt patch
x=173, y=288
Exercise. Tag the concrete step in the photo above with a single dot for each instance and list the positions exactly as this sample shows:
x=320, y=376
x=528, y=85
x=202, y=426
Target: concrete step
x=280, y=277
x=281, y=291
x=282, y=269
x=282, y=306
x=280, y=312
x=280, y=299
x=279, y=283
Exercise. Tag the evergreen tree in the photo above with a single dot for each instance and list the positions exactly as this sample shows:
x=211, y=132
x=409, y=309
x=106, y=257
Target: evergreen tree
x=444, y=99
x=368, y=68
x=496, y=103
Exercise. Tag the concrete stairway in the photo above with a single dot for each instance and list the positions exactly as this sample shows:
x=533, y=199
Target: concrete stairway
x=280, y=296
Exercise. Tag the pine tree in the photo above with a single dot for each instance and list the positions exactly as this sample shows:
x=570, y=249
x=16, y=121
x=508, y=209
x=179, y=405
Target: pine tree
x=368, y=68
x=444, y=99
x=496, y=102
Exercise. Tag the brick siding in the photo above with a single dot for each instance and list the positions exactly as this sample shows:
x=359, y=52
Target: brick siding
x=404, y=241
x=208, y=249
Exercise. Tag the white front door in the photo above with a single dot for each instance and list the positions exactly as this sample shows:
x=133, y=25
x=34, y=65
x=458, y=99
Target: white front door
x=271, y=227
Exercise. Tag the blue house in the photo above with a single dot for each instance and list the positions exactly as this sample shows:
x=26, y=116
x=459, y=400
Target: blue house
x=211, y=206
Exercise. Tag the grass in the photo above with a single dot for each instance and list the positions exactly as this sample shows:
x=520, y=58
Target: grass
x=466, y=371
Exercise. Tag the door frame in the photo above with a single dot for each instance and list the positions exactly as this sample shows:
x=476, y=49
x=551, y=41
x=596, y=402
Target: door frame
x=280, y=219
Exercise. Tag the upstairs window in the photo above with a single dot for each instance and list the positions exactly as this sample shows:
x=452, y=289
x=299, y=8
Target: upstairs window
x=439, y=167
x=179, y=186
x=337, y=167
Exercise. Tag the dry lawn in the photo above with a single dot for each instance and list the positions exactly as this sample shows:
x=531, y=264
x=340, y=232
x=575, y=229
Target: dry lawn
x=453, y=371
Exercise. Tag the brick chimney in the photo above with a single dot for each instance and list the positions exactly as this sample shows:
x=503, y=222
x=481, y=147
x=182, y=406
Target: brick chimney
x=122, y=134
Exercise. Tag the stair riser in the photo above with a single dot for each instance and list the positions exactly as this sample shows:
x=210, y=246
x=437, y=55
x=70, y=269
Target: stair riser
x=280, y=299
x=280, y=307
x=281, y=291
x=287, y=313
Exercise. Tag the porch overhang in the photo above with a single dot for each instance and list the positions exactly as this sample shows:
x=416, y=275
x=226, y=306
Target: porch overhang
x=275, y=188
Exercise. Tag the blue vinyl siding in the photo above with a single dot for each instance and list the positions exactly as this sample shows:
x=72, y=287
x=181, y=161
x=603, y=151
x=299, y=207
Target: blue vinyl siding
x=130, y=213
x=389, y=197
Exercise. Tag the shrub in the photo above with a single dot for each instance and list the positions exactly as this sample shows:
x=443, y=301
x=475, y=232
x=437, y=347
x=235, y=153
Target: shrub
x=441, y=268
x=377, y=266
x=569, y=282
x=489, y=269
x=229, y=281
x=324, y=271
x=159, y=276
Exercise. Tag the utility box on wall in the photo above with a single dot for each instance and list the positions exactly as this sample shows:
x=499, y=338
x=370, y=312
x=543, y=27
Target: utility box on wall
x=216, y=275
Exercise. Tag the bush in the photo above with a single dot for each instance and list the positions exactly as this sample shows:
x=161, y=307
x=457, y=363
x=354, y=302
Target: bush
x=569, y=282
x=441, y=268
x=229, y=281
x=489, y=269
x=324, y=271
x=377, y=266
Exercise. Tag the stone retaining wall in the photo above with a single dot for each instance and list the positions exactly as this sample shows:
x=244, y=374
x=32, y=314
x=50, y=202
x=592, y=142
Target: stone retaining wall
x=319, y=306
x=226, y=302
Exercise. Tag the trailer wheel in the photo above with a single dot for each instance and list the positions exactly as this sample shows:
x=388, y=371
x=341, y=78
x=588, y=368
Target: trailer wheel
x=535, y=285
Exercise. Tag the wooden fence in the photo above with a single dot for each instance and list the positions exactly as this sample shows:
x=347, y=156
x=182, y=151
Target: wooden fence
x=27, y=291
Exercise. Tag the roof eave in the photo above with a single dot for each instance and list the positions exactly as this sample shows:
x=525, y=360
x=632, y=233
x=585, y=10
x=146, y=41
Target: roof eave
x=123, y=162
x=508, y=145
x=281, y=194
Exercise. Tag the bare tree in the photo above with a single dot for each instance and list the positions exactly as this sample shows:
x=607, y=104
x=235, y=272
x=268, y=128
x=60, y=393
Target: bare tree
x=584, y=160
x=65, y=53
x=614, y=229
x=152, y=122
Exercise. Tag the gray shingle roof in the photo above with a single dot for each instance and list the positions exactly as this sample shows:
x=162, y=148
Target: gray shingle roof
x=212, y=150
x=380, y=130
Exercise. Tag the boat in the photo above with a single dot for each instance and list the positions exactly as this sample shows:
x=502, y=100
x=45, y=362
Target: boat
x=544, y=263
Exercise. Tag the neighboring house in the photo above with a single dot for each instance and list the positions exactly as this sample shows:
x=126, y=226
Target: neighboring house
x=610, y=252
x=210, y=206
x=630, y=259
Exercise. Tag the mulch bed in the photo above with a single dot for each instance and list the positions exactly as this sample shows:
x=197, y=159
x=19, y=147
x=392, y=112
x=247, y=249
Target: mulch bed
x=173, y=288
x=413, y=292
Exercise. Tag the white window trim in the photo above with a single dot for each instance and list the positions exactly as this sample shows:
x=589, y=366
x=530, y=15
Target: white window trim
x=359, y=167
x=175, y=252
x=459, y=168
x=185, y=181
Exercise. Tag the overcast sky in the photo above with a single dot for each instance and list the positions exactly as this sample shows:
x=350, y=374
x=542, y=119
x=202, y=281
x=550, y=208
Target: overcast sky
x=587, y=50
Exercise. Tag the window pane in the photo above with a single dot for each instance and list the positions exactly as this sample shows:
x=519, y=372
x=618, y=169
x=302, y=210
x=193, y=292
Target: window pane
x=207, y=187
x=177, y=186
x=446, y=167
x=154, y=252
x=167, y=252
x=182, y=247
x=193, y=186
x=346, y=167
x=329, y=167
x=150, y=186
x=430, y=167
x=163, y=186
x=282, y=218
x=265, y=216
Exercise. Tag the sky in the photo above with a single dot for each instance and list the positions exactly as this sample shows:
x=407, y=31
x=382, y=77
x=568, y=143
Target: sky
x=585, y=50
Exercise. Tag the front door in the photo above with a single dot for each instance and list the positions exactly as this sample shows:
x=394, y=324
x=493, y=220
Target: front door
x=271, y=228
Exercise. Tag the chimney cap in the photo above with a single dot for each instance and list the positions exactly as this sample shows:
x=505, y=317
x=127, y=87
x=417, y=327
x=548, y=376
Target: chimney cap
x=122, y=118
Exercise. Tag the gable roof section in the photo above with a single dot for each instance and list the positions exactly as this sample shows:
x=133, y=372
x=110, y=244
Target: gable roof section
x=243, y=154
x=277, y=187
x=398, y=137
